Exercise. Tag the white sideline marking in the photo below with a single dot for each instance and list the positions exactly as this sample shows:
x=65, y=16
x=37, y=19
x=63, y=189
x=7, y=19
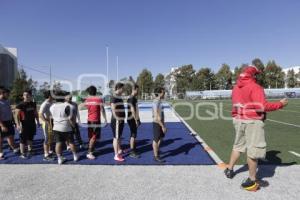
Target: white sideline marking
x=212, y=154
x=298, y=126
x=294, y=153
x=279, y=122
x=289, y=111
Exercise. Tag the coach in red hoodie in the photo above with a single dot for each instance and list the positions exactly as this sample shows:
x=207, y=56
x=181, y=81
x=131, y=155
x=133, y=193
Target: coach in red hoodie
x=249, y=108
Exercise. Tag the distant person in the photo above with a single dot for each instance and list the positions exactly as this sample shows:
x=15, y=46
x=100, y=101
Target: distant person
x=63, y=125
x=133, y=120
x=47, y=125
x=159, y=128
x=76, y=116
x=249, y=107
x=7, y=129
x=95, y=107
x=27, y=119
x=117, y=120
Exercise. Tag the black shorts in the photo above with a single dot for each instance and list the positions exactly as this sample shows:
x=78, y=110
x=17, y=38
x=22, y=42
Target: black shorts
x=10, y=129
x=133, y=128
x=158, y=133
x=117, y=127
x=94, y=130
x=28, y=133
x=62, y=137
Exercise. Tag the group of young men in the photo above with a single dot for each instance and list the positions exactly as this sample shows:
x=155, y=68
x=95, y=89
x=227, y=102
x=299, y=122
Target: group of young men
x=60, y=121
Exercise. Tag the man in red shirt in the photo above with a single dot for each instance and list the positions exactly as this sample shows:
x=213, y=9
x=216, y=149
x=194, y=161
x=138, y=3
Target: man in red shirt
x=249, y=107
x=95, y=107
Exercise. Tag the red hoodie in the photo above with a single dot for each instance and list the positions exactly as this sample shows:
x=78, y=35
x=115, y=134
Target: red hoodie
x=248, y=98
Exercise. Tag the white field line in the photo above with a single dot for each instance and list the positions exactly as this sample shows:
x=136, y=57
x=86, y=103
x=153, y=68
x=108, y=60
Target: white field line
x=294, y=153
x=212, y=154
x=290, y=111
x=279, y=122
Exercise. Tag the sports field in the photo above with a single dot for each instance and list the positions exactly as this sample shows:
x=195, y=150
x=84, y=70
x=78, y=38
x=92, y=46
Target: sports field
x=282, y=129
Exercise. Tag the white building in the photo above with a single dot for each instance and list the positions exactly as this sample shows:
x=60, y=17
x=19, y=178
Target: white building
x=170, y=83
x=8, y=66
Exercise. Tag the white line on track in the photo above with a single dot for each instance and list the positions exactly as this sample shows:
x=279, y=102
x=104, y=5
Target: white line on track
x=294, y=153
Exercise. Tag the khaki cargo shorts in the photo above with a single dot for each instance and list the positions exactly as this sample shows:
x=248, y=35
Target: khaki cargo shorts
x=250, y=138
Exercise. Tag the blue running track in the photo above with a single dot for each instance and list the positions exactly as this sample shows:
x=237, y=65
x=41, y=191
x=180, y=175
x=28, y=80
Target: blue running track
x=178, y=148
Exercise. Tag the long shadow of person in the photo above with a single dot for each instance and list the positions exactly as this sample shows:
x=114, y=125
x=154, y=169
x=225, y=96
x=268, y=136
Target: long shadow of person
x=180, y=150
x=267, y=167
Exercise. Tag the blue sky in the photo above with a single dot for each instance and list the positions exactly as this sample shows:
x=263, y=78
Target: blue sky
x=70, y=35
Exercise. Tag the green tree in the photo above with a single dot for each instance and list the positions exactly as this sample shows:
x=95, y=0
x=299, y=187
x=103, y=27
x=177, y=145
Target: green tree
x=159, y=81
x=224, y=77
x=291, y=79
x=145, y=82
x=21, y=83
x=274, y=75
x=261, y=78
x=184, y=77
x=129, y=82
x=204, y=79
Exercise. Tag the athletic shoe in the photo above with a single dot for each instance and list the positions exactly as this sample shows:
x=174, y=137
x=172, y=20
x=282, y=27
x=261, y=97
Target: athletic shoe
x=119, y=158
x=30, y=153
x=76, y=157
x=90, y=156
x=48, y=158
x=83, y=146
x=159, y=160
x=250, y=185
x=68, y=148
x=16, y=150
x=61, y=160
x=229, y=173
x=23, y=156
x=134, y=154
x=2, y=156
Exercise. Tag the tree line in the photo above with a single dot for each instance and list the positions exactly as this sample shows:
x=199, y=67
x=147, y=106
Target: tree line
x=184, y=78
x=188, y=79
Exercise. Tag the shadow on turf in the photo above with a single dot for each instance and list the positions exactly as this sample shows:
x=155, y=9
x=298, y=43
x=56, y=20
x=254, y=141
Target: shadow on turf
x=267, y=167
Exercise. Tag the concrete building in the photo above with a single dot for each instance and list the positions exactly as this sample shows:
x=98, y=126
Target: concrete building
x=8, y=66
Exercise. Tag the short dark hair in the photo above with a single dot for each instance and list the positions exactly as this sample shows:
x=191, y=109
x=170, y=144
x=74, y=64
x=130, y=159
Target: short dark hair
x=47, y=94
x=158, y=90
x=2, y=90
x=28, y=91
x=119, y=85
x=92, y=90
x=61, y=95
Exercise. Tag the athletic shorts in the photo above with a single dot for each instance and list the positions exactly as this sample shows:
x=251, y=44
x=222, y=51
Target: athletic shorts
x=250, y=138
x=117, y=127
x=133, y=128
x=158, y=133
x=94, y=130
x=48, y=135
x=62, y=137
x=11, y=130
x=28, y=133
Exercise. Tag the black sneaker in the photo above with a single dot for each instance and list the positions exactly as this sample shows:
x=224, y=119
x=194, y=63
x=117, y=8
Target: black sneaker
x=159, y=160
x=48, y=158
x=229, y=173
x=250, y=185
x=30, y=153
x=134, y=154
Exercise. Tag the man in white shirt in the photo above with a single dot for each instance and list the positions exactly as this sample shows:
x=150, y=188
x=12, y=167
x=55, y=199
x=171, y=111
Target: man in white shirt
x=63, y=122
